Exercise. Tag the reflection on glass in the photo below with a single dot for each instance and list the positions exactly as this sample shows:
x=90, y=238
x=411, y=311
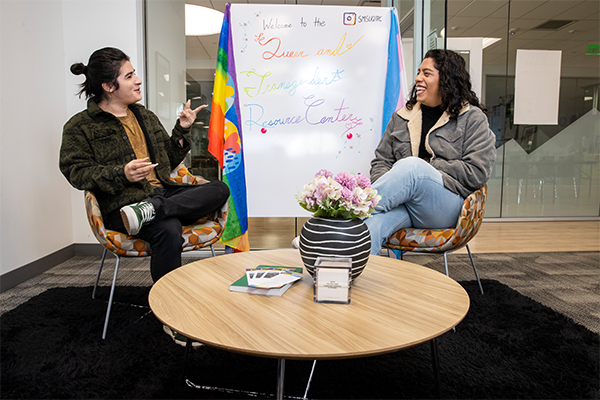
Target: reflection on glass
x=201, y=162
x=560, y=177
x=549, y=170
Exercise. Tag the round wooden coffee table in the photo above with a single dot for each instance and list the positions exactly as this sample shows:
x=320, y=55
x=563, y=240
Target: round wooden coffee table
x=395, y=305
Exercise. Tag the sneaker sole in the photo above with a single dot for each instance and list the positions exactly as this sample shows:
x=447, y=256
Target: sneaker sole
x=126, y=215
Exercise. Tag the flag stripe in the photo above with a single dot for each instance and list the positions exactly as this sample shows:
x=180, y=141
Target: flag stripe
x=395, y=84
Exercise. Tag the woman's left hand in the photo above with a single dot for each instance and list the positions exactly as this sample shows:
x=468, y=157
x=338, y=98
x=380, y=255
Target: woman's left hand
x=188, y=116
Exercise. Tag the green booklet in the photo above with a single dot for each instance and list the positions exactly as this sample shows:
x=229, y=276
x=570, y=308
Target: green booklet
x=241, y=285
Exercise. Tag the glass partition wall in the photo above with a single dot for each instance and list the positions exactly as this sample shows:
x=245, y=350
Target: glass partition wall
x=542, y=171
x=181, y=68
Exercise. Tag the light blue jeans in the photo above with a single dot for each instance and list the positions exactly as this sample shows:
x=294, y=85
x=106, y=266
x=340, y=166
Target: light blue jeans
x=412, y=195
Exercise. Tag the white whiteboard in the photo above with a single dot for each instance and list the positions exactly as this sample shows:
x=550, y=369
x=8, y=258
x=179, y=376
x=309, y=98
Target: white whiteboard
x=311, y=84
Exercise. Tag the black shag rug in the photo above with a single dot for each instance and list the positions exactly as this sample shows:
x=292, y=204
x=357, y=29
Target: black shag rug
x=508, y=347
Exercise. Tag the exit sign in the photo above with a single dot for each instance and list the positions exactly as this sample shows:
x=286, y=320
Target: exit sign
x=593, y=50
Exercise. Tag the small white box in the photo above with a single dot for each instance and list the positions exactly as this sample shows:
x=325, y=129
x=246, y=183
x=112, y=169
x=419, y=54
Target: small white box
x=333, y=277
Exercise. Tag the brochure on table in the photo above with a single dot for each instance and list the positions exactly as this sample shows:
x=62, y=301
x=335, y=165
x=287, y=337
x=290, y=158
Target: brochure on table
x=267, y=280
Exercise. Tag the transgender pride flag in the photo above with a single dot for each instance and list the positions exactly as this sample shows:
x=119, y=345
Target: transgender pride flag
x=225, y=140
x=396, y=87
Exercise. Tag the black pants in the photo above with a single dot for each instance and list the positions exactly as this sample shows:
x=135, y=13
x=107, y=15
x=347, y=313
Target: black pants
x=175, y=206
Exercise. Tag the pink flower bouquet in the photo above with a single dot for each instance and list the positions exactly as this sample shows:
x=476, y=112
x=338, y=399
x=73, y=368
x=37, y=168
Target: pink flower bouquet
x=343, y=196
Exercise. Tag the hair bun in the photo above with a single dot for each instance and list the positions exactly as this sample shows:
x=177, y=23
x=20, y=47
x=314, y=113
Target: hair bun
x=78, y=69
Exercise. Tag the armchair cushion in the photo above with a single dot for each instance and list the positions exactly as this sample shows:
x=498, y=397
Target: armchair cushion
x=442, y=240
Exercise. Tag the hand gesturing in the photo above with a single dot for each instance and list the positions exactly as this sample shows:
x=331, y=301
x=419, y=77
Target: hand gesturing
x=188, y=116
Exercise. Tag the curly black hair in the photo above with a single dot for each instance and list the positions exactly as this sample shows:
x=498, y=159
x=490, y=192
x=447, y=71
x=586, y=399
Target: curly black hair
x=455, y=82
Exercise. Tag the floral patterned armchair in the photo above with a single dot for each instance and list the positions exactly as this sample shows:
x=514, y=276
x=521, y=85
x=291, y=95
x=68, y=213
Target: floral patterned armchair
x=445, y=240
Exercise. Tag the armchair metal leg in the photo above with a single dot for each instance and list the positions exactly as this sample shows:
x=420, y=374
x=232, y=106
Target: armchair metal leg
x=212, y=250
x=99, y=272
x=472, y=263
x=280, y=378
x=474, y=269
x=310, y=379
x=446, y=264
x=110, y=299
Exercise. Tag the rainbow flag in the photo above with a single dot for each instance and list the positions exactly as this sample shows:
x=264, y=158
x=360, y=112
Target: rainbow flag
x=225, y=140
x=396, y=87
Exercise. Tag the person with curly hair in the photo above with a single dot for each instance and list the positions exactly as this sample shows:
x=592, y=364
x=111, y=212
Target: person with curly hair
x=435, y=152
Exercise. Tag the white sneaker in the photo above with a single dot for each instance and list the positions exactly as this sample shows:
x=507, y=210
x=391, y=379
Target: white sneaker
x=296, y=242
x=136, y=215
x=179, y=338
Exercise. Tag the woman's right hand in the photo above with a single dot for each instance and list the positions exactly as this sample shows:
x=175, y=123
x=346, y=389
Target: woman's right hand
x=138, y=169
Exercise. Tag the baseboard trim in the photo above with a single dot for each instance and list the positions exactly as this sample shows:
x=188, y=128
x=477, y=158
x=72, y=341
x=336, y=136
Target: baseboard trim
x=88, y=249
x=28, y=271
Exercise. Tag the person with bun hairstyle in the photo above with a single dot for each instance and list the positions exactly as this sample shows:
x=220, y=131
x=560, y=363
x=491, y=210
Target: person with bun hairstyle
x=120, y=151
x=434, y=153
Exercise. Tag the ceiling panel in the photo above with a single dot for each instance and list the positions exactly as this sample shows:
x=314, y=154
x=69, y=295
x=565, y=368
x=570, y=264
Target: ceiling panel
x=544, y=44
x=220, y=4
x=531, y=34
x=552, y=9
x=455, y=6
x=501, y=12
x=584, y=10
x=203, y=3
x=485, y=27
x=518, y=8
x=461, y=24
x=481, y=8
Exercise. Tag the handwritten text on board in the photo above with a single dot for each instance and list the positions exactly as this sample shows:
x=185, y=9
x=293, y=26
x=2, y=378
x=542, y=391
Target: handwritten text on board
x=311, y=82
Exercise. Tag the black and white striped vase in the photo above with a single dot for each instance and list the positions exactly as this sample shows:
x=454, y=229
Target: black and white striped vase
x=335, y=237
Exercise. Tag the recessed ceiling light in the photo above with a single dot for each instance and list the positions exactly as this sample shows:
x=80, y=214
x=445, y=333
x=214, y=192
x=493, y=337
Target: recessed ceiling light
x=202, y=21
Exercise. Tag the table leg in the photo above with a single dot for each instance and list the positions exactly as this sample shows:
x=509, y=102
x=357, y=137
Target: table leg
x=280, y=378
x=435, y=360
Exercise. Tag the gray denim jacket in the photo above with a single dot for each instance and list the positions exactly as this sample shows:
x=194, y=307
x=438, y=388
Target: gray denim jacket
x=463, y=150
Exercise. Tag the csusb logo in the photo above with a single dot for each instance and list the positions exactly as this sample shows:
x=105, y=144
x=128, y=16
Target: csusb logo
x=351, y=18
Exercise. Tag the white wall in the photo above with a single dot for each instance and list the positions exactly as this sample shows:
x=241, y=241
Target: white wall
x=89, y=25
x=35, y=207
x=39, y=212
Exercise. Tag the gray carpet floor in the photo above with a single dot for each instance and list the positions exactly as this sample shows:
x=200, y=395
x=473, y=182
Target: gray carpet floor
x=566, y=282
